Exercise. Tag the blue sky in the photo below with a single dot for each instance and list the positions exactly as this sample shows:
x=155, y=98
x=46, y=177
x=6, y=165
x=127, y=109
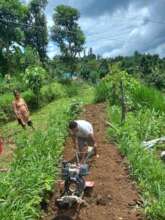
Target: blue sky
x=118, y=27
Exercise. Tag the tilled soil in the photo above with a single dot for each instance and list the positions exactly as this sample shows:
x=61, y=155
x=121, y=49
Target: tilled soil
x=114, y=196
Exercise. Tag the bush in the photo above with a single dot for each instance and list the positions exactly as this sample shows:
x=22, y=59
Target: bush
x=52, y=92
x=30, y=98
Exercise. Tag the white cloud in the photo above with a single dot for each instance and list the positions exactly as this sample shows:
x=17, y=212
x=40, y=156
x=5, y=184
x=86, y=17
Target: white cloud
x=114, y=30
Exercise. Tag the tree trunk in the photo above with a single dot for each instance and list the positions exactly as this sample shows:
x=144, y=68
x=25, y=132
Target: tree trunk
x=123, y=106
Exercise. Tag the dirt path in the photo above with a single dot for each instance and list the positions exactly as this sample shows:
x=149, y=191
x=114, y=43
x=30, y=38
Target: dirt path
x=114, y=196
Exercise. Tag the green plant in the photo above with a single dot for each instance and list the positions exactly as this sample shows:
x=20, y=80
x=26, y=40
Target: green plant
x=144, y=166
x=34, y=77
x=52, y=92
x=73, y=89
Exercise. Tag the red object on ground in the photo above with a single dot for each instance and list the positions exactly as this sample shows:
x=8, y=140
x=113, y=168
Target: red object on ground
x=1, y=146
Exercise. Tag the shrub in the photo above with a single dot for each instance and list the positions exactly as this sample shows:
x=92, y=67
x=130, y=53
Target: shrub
x=52, y=92
x=34, y=77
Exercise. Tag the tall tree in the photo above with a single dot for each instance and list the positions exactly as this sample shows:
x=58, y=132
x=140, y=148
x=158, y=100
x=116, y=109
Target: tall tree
x=36, y=33
x=11, y=13
x=67, y=33
x=104, y=68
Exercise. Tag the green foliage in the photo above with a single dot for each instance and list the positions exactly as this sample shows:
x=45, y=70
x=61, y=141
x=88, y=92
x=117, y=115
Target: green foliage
x=36, y=33
x=149, y=67
x=73, y=89
x=34, y=77
x=104, y=68
x=11, y=12
x=67, y=34
x=137, y=95
x=74, y=108
x=150, y=97
x=145, y=167
x=30, y=57
x=89, y=70
x=52, y=92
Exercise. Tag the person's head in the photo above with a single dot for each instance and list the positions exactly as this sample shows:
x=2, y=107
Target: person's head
x=16, y=94
x=73, y=126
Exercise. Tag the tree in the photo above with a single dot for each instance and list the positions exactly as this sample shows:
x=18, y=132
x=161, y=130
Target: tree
x=67, y=34
x=11, y=14
x=104, y=68
x=91, y=55
x=34, y=77
x=85, y=72
x=36, y=34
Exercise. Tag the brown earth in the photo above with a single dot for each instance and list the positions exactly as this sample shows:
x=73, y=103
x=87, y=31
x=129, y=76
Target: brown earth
x=114, y=196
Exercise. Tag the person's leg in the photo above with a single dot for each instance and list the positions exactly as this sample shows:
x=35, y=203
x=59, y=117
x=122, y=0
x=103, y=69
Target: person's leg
x=21, y=123
x=30, y=124
x=90, y=143
x=82, y=145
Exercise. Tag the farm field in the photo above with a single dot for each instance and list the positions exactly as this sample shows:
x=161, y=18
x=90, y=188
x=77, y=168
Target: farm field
x=82, y=110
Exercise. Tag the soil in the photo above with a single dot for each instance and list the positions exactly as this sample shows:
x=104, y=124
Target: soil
x=114, y=196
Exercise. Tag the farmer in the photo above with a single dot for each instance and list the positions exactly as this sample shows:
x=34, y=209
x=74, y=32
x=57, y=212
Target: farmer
x=21, y=110
x=83, y=136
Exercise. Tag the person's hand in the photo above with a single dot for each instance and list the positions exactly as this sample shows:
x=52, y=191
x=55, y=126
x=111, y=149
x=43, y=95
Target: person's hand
x=95, y=145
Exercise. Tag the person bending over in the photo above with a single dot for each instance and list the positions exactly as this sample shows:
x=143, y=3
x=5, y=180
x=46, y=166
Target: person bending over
x=83, y=136
x=21, y=110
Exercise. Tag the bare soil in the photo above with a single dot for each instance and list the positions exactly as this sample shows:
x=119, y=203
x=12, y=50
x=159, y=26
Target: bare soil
x=115, y=196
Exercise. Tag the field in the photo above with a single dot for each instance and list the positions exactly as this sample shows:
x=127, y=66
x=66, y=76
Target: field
x=51, y=69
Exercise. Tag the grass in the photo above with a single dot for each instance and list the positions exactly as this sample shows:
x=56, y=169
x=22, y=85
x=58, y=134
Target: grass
x=146, y=169
x=150, y=97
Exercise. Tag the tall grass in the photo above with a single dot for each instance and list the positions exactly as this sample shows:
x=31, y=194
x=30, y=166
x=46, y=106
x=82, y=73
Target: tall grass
x=150, y=97
x=145, y=168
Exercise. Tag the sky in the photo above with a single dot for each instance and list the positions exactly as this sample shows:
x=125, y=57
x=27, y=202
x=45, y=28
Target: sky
x=117, y=27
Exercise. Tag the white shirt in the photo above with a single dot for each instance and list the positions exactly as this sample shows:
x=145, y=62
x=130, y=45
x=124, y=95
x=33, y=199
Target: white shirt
x=84, y=129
